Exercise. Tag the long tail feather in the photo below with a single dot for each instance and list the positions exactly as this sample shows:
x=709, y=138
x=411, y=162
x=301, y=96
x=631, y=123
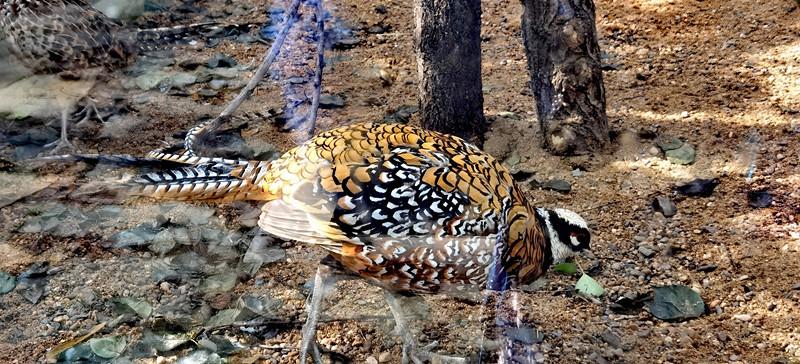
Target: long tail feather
x=205, y=179
x=184, y=177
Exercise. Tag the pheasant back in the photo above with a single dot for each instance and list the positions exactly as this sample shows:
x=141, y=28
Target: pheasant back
x=406, y=208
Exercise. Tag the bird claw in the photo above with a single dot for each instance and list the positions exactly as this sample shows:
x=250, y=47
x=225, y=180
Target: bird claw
x=425, y=354
x=313, y=349
x=416, y=355
x=59, y=145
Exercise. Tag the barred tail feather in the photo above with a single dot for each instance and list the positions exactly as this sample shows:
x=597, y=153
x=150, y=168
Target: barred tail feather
x=205, y=179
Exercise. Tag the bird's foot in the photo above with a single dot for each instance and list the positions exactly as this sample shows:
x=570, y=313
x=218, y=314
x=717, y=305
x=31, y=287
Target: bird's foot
x=60, y=146
x=413, y=353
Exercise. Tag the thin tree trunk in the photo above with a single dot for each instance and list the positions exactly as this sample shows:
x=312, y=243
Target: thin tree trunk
x=448, y=46
x=566, y=79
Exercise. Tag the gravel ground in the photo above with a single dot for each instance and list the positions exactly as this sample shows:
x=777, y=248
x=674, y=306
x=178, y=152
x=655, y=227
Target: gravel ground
x=720, y=76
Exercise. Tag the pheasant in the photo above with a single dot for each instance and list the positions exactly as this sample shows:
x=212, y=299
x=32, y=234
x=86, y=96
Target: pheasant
x=69, y=36
x=409, y=210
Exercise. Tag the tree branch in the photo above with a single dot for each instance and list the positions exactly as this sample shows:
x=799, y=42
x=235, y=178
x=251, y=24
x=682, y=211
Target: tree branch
x=312, y=118
x=202, y=129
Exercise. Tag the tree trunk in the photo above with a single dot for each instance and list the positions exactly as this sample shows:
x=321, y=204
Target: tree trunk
x=448, y=46
x=567, y=82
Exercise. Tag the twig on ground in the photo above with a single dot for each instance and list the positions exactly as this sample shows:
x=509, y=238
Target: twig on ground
x=202, y=129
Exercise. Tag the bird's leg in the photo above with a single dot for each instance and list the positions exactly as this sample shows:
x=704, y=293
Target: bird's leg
x=88, y=109
x=323, y=281
x=63, y=142
x=411, y=349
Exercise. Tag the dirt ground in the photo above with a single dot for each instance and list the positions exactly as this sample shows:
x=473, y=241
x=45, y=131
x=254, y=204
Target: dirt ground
x=723, y=76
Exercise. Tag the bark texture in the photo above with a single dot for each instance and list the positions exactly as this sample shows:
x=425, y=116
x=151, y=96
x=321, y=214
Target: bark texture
x=566, y=79
x=448, y=46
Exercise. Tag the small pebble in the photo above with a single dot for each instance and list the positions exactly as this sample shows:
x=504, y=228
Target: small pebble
x=371, y=360
x=743, y=317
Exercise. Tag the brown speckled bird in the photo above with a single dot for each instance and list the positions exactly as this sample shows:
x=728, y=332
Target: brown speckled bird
x=407, y=209
x=70, y=36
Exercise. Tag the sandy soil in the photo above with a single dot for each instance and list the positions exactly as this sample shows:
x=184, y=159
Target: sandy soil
x=713, y=73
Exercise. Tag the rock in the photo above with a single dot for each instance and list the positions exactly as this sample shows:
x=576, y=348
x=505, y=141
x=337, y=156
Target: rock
x=219, y=283
x=228, y=73
x=683, y=155
x=27, y=152
x=522, y=176
x=381, y=9
x=512, y=160
x=558, y=185
x=646, y=251
x=217, y=84
x=665, y=206
x=108, y=212
x=120, y=9
x=7, y=283
x=206, y=93
x=759, y=199
x=707, y=268
x=221, y=60
x=296, y=80
x=376, y=29
x=743, y=317
x=201, y=357
x=371, y=360
x=194, y=215
x=346, y=42
x=38, y=136
x=577, y=172
x=152, y=80
x=684, y=114
x=163, y=242
x=181, y=236
x=597, y=358
x=384, y=357
x=611, y=339
x=402, y=115
x=189, y=64
x=182, y=79
x=260, y=251
x=328, y=101
x=525, y=335
x=127, y=238
x=32, y=282
x=698, y=187
x=667, y=142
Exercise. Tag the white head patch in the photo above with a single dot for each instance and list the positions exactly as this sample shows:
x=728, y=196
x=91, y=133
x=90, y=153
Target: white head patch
x=559, y=250
x=572, y=218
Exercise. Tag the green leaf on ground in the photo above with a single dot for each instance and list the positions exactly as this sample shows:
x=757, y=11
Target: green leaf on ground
x=129, y=305
x=588, y=286
x=676, y=302
x=566, y=268
x=108, y=347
